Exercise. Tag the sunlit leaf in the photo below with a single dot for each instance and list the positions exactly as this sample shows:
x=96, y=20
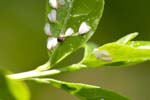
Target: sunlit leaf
x=119, y=54
x=139, y=44
x=12, y=89
x=84, y=91
x=71, y=14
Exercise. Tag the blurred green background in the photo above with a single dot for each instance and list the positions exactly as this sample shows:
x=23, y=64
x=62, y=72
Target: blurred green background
x=23, y=46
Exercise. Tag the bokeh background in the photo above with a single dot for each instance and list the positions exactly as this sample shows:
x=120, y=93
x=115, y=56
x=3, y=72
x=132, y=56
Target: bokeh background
x=23, y=46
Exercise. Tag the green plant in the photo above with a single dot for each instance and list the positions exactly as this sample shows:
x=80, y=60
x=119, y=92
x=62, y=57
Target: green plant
x=69, y=25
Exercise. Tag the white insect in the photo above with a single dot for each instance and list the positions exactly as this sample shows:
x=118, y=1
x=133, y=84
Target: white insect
x=97, y=53
x=84, y=28
x=52, y=42
x=53, y=3
x=103, y=55
x=52, y=16
x=69, y=32
x=47, y=29
x=102, y=99
x=61, y=2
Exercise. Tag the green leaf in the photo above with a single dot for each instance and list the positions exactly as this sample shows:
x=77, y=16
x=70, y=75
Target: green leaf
x=88, y=49
x=119, y=54
x=127, y=38
x=12, y=89
x=71, y=15
x=84, y=91
x=139, y=44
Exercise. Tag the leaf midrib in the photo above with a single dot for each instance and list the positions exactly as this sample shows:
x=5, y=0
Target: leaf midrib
x=64, y=25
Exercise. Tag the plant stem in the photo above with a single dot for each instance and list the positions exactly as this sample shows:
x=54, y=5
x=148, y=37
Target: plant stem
x=37, y=73
x=32, y=74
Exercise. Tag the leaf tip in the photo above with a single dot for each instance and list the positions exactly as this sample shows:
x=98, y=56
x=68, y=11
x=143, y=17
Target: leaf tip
x=127, y=38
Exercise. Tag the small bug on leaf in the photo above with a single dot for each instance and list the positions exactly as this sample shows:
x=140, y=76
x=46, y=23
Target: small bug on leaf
x=103, y=55
x=47, y=29
x=53, y=3
x=68, y=33
x=84, y=28
x=61, y=38
x=52, y=16
x=52, y=43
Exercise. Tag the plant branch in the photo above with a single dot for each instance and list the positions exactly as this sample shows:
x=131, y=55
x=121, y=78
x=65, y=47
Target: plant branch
x=37, y=73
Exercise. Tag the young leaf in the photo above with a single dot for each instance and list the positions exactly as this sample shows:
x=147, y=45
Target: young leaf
x=127, y=38
x=84, y=91
x=74, y=16
x=119, y=54
x=12, y=89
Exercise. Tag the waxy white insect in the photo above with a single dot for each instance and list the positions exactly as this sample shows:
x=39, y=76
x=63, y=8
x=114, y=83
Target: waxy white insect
x=84, y=28
x=103, y=55
x=102, y=99
x=52, y=42
x=97, y=53
x=47, y=29
x=53, y=3
x=52, y=16
x=61, y=2
x=69, y=32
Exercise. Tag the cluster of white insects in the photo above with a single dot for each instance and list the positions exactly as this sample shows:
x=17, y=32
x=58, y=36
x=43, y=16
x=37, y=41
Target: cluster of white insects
x=52, y=16
x=84, y=28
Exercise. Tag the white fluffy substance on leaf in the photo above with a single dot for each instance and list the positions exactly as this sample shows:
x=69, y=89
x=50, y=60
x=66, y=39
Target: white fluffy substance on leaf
x=69, y=32
x=61, y=2
x=52, y=42
x=103, y=55
x=84, y=28
x=47, y=29
x=52, y=16
x=53, y=3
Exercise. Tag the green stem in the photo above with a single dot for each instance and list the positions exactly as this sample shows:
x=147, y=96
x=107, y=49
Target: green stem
x=32, y=74
x=37, y=73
